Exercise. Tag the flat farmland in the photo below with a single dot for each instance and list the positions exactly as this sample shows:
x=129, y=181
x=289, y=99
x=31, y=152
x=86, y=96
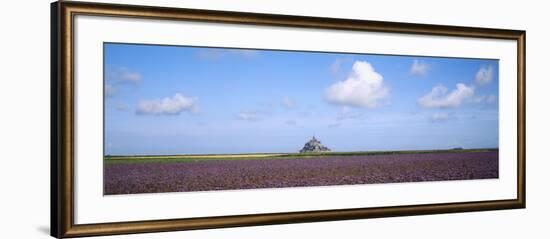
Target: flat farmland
x=155, y=174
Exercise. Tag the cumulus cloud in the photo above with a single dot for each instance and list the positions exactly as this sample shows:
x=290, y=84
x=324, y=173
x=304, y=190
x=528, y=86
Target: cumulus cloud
x=168, y=106
x=288, y=103
x=363, y=88
x=123, y=74
x=439, y=98
x=419, y=68
x=484, y=75
x=248, y=116
x=126, y=75
x=116, y=79
x=440, y=117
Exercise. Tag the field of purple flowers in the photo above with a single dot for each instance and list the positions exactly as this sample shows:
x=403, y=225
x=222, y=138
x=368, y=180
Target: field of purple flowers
x=154, y=177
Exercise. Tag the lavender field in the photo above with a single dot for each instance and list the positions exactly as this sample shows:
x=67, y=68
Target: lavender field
x=128, y=177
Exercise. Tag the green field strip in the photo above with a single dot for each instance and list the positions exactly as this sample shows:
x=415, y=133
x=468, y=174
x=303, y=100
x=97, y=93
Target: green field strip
x=112, y=159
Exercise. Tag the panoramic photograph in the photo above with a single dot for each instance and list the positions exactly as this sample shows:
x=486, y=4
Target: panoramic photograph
x=187, y=119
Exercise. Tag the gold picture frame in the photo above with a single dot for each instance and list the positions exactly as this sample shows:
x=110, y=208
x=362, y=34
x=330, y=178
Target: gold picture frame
x=62, y=123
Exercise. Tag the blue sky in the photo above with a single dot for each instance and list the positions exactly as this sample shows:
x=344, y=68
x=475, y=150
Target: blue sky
x=192, y=100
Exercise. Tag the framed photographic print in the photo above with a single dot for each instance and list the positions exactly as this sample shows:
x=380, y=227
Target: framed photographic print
x=170, y=119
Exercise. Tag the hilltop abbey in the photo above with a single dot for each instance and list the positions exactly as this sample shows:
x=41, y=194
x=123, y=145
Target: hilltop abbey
x=314, y=146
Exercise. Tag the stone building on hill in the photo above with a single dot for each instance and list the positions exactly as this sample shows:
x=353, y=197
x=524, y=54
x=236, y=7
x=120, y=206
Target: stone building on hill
x=314, y=146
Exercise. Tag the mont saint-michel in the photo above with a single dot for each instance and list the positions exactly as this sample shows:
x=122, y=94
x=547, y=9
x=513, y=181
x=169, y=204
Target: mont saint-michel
x=314, y=146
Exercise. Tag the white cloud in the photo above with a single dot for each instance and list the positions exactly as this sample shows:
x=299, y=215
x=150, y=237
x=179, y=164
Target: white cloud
x=336, y=65
x=364, y=88
x=419, y=68
x=484, y=75
x=123, y=74
x=126, y=75
x=116, y=77
x=489, y=99
x=440, y=117
x=110, y=90
x=248, y=116
x=438, y=97
x=168, y=106
x=288, y=103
